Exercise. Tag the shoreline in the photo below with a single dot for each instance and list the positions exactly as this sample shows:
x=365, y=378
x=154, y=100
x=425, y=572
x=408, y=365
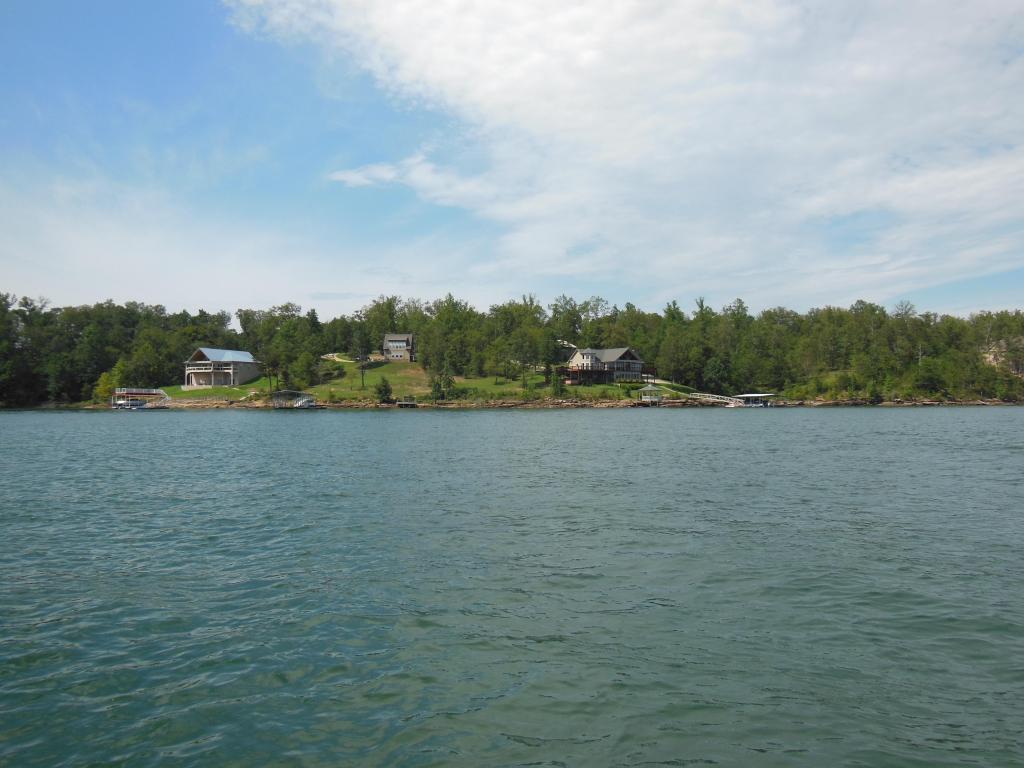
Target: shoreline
x=541, y=404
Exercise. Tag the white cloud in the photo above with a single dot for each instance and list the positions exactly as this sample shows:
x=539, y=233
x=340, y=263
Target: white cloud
x=73, y=240
x=368, y=175
x=705, y=142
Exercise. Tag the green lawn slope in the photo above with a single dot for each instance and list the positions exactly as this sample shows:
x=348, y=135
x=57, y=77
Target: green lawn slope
x=408, y=380
x=175, y=391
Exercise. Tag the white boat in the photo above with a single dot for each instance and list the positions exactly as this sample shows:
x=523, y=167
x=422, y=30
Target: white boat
x=138, y=399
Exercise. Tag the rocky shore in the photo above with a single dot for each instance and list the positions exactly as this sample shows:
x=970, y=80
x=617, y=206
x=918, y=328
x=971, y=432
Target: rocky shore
x=557, y=403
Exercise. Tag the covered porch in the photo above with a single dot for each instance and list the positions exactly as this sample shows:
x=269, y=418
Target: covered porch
x=200, y=375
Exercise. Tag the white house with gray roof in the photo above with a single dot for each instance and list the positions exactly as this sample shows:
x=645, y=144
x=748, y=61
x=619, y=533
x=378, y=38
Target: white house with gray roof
x=605, y=365
x=208, y=367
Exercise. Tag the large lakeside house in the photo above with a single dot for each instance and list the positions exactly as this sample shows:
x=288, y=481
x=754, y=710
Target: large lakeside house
x=399, y=346
x=605, y=366
x=208, y=367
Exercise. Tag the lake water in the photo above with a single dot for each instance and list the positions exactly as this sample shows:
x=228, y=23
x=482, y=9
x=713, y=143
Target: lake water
x=830, y=587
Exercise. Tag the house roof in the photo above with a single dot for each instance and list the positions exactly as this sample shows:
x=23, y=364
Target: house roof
x=397, y=337
x=609, y=355
x=222, y=355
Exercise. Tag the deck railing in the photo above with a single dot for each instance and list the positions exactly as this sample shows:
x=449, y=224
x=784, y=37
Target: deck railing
x=709, y=398
x=207, y=367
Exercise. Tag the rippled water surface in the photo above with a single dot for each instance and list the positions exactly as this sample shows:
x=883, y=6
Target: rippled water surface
x=584, y=588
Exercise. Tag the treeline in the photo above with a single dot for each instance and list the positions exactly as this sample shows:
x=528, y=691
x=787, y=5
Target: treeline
x=71, y=354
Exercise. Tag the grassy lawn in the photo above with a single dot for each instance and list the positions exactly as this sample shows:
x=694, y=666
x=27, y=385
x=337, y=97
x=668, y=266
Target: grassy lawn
x=407, y=380
x=175, y=392
x=677, y=390
x=485, y=386
x=410, y=380
x=513, y=388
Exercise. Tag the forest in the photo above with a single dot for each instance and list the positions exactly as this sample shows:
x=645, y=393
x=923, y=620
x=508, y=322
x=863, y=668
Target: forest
x=75, y=354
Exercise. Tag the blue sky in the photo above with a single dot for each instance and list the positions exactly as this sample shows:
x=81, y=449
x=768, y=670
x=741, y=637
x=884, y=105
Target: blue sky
x=327, y=151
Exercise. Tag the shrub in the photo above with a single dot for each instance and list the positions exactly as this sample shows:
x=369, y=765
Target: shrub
x=383, y=390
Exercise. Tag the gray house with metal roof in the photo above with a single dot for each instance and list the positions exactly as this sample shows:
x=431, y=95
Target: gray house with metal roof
x=208, y=367
x=399, y=346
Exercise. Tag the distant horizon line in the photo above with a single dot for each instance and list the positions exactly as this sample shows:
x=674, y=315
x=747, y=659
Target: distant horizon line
x=427, y=303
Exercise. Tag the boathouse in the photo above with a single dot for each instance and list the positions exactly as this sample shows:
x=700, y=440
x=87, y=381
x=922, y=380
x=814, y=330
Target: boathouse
x=208, y=367
x=756, y=399
x=651, y=395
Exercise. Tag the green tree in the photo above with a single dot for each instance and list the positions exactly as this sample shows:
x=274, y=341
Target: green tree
x=930, y=376
x=557, y=385
x=9, y=351
x=715, y=376
x=329, y=370
x=442, y=385
x=497, y=358
x=566, y=320
x=672, y=357
x=105, y=386
x=381, y=317
x=303, y=372
x=524, y=347
x=361, y=349
x=383, y=390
